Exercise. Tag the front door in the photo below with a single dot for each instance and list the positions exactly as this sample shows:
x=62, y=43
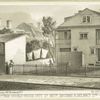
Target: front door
x=98, y=54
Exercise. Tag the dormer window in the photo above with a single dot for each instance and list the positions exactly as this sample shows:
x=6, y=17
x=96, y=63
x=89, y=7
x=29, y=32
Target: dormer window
x=86, y=19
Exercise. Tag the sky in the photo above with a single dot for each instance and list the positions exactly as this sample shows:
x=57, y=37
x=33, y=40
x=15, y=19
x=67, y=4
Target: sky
x=57, y=11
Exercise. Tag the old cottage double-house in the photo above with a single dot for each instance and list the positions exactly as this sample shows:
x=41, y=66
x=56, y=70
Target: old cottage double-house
x=79, y=33
x=12, y=47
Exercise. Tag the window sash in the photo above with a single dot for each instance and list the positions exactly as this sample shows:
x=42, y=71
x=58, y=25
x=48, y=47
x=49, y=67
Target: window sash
x=98, y=34
x=67, y=35
x=81, y=36
x=84, y=35
x=92, y=50
x=86, y=19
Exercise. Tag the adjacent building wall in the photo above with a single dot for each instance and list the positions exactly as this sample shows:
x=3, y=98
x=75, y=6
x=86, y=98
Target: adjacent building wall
x=82, y=45
x=61, y=43
x=2, y=58
x=85, y=45
x=77, y=26
x=16, y=50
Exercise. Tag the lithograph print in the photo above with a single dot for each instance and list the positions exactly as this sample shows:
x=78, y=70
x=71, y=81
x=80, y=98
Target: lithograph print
x=50, y=46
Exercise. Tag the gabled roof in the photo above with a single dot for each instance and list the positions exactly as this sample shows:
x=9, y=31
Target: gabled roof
x=93, y=11
x=8, y=37
x=80, y=12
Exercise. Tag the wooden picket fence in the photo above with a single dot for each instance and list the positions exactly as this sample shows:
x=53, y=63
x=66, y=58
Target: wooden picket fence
x=56, y=70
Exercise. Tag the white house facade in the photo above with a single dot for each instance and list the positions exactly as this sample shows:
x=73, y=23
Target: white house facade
x=80, y=33
x=12, y=47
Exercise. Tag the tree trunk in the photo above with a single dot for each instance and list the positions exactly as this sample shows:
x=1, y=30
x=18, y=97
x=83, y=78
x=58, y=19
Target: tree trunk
x=52, y=55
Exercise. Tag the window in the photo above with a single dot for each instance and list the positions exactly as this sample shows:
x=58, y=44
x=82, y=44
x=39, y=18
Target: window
x=86, y=19
x=65, y=49
x=97, y=36
x=98, y=33
x=67, y=35
x=59, y=35
x=92, y=51
x=81, y=36
x=84, y=35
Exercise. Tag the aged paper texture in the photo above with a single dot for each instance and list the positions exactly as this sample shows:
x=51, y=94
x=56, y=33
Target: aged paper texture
x=49, y=50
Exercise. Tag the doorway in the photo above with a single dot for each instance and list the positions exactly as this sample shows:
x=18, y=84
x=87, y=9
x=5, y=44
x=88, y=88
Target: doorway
x=2, y=64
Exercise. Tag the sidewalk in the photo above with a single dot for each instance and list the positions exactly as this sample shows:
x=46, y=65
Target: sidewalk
x=83, y=82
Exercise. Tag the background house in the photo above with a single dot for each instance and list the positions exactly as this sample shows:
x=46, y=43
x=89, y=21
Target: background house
x=33, y=32
x=35, y=40
x=81, y=33
x=12, y=47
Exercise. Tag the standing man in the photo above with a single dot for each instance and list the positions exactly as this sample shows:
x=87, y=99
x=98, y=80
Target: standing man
x=11, y=64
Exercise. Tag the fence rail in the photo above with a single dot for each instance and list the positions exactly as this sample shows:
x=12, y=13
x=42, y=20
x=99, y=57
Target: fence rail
x=33, y=69
x=60, y=70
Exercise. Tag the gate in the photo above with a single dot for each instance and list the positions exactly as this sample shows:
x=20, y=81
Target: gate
x=74, y=58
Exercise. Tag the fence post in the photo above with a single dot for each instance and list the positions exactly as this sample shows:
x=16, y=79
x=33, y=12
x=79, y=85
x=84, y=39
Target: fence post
x=50, y=65
x=50, y=68
x=23, y=69
x=66, y=68
x=94, y=67
x=12, y=69
x=36, y=68
x=42, y=71
x=85, y=70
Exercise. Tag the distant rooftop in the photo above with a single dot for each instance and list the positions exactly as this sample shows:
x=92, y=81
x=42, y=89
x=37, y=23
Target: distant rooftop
x=8, y=37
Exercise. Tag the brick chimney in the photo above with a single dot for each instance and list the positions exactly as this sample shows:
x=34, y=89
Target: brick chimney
x=8, y=24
